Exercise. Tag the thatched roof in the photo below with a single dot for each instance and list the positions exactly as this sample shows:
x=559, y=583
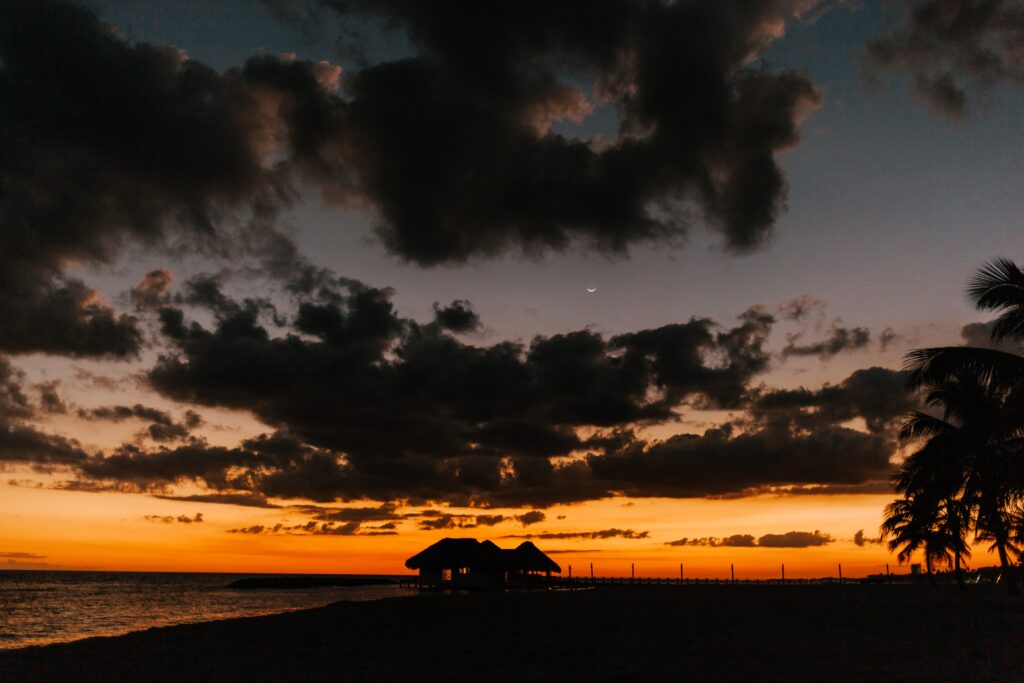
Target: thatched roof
x=449, y=553
x=530, y=558
x=457, y=552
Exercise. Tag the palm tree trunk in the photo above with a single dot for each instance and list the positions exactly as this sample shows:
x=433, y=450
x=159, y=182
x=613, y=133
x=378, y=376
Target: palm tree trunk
x=959, y=571
x=1004, y=563
x=928, y=566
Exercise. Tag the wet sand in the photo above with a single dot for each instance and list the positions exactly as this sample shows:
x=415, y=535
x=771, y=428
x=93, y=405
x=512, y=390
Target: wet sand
x=865, y=633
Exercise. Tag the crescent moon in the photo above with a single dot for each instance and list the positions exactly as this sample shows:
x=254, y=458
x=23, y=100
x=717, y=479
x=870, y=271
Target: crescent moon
x=591, y=290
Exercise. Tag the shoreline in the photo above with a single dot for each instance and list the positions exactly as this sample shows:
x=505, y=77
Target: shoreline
x=64, y=610
x=184, y=624
x=636, y=633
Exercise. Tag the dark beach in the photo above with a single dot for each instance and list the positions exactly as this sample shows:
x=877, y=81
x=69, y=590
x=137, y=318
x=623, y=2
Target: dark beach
x=868, y=633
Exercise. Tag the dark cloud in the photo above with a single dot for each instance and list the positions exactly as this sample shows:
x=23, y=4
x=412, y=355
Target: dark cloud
x=490, y=520
x=59, y=316
x=951, y=46
x=458, y=317
x=427, y=519
x=438, y=520
x=92, y=380
x=449, y=522
x=242, y=499
x=82, y=485
x=794, y=539
x=734, y=541
x=365, y=405
x=722, y=462
x=22, y=442
x=860, y=540
x=878, y=395
x=532, y=517
x=328, y=529
x=50, y=400
x=151, y=292
x=105, y=143
x=677, y=357
x=868, y=487
x=148, y=147
x=180, y=519
x=122, y=413
x=353, y=514
x=81, y=176
x=420, y=415
x=314, y=529
x=603, y=533
x=887, y=338
x=840, y=339
x=370, y=406
x=802, y=307
x=980, y=335
x=472, y=161
x=776, y=458
x=163, y=427
x=146, y=470
x=790, y=539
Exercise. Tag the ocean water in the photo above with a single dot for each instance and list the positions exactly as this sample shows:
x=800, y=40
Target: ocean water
x=40, y=607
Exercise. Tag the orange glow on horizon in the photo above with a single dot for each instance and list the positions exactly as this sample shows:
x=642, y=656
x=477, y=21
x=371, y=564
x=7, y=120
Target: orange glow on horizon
x=108, y=531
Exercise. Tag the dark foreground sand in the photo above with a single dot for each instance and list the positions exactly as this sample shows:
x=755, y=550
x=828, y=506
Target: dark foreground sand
x=826, y=633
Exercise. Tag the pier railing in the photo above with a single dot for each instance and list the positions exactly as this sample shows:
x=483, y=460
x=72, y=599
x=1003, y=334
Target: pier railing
x=587, y=581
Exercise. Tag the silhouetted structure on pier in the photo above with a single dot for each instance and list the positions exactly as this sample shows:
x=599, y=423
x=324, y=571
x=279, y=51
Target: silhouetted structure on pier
x=468, y=563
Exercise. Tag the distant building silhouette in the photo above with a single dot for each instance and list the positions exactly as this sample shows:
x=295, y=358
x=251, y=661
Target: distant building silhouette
x=468, y=563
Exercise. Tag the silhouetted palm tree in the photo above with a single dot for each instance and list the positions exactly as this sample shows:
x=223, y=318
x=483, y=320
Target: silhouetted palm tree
x=971, y=459
x=908, y=524
x=954, y=523
x=974, y=453
x=932, y=480
x=938, y=528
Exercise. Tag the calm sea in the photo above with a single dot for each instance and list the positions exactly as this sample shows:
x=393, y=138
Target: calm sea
x=39, y=607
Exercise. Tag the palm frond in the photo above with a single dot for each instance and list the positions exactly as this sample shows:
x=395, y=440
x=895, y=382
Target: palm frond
x=937, y=471
x=922, y=425
x=1010, y=325
x=932, y=367
x=997, y=284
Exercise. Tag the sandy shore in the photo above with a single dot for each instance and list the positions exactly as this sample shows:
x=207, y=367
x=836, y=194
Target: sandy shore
x=617, y=634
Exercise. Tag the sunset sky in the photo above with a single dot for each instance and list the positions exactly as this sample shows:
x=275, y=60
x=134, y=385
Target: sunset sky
x=305, y=286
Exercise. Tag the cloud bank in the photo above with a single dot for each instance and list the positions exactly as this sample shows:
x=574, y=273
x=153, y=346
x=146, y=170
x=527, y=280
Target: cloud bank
x=150, y=147
x=790, y=539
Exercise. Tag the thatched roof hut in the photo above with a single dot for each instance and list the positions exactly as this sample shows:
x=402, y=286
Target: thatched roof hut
x=468, y=562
